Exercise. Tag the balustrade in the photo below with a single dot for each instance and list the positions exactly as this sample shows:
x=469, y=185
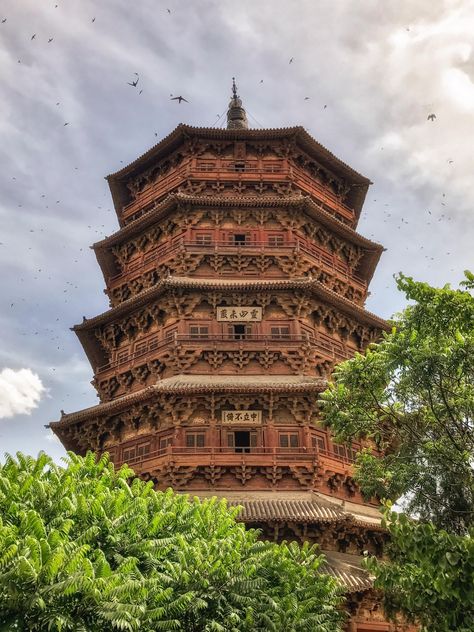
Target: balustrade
x=224, y=455
x=151, y=346
x=271, y=172
x=331, y=263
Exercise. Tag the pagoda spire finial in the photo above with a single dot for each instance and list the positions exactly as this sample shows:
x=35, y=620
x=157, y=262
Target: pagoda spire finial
x=236, y=116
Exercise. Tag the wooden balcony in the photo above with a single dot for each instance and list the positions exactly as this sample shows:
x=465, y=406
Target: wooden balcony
x=153, y=346
x=327, y=261
x=226, y=171
x=218, y=455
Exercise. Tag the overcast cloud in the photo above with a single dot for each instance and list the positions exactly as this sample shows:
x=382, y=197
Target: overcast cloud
x=380, y=68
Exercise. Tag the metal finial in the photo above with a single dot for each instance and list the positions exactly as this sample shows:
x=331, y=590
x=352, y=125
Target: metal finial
x=236, y=117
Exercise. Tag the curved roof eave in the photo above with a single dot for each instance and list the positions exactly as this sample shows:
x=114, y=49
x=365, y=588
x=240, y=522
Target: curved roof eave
x=232, y=284
x=173, y=140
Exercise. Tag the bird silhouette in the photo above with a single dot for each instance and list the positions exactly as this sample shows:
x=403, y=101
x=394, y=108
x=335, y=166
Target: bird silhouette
x=179, y=99
x=50, y=40
x=4, y=20
x=93, y=19
x=33, y=36
x=431, y=117
x=306, y=98
x=134, y=83
x=291, y=61
x=169, y=10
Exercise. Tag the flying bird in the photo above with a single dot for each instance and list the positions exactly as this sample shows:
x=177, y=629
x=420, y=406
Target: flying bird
x=33, y=36
x=306, y=98
x=179, y=99
x=65, y=124
x=4, y=20
x=169, y=10
x=50, y=40
x=93, y=19
x=431, y=117
x=134, y=83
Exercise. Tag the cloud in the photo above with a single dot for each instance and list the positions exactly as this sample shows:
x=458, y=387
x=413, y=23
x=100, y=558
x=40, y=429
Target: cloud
x=20, y=392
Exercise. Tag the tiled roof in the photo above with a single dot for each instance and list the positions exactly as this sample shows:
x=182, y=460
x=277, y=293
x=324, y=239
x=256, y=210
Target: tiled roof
x=347, y=569
x=200, y=384
x=298, y=132
x=234, y=284
x=304, y=201
x=287, y=510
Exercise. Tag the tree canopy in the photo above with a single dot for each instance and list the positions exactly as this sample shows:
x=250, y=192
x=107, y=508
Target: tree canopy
x=411, y=396
x=83, y=549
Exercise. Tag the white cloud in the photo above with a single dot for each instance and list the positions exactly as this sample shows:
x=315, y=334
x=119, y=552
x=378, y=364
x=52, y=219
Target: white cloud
x=20, y=392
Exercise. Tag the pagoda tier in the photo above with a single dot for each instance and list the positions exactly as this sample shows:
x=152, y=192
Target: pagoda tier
x=236, y=283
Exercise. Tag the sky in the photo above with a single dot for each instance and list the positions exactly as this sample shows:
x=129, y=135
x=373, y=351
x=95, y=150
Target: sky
x=373, y=71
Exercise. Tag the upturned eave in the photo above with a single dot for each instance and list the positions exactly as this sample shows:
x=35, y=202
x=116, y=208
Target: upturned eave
x=106, y=260
x=171, y=142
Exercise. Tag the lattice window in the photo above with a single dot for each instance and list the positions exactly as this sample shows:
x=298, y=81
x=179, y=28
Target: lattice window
x=276, y=240
x=128, y=454
x=198, y=331
x=288, y=439
x=319, y=441
x=122, y=356
x=153, y=343
x=195, y=439
x=170, y=334
x=166, y=441
x=141, y=347
x=203, y=239
x=280, y=333
x=207, y=166
x=340, y=450
x=143, y=449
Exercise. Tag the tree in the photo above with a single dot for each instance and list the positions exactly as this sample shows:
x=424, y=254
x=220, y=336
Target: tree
x=82, y=549
x=411, y=396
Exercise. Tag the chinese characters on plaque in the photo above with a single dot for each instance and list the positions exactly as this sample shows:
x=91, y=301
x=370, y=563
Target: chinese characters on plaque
x=242, y=314
x=247, y=417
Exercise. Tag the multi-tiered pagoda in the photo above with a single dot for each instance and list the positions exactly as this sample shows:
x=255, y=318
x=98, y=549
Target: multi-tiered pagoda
x=236, y=282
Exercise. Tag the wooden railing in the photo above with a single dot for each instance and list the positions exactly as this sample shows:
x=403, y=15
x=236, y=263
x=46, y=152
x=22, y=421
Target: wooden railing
x=152, y=346
x=328, y=261
x=227, y=171
x=224, y=455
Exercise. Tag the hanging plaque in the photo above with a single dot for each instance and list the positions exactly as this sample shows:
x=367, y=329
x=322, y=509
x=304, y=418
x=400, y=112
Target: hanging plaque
x=242, y=417
x=239, y=314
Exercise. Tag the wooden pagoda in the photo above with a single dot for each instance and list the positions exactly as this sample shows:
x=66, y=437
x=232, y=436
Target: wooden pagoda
x=236, y=282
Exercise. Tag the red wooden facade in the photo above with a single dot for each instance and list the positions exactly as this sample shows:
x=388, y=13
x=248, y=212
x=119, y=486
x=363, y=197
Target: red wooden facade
x=236, y=282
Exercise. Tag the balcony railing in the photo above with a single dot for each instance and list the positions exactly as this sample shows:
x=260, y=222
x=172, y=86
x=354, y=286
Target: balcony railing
x=225, y=171
x=219, y=455
x=329, y=262
x=152, y=346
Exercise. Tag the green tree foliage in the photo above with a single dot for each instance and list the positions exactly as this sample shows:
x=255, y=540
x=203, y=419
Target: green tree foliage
x=412, y=396
x=81, y=549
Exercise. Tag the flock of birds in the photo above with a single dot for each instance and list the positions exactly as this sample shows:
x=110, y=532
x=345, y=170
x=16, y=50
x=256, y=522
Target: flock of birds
x=61, y=333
